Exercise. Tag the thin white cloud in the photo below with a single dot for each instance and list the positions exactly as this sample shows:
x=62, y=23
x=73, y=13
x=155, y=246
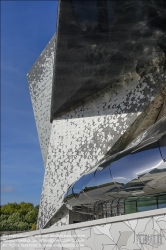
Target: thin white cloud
x=8, y=189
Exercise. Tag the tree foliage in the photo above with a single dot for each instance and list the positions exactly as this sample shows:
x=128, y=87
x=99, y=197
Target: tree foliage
x=33, y=226
x=31, y=216
x=18, y=217
x=10, y=208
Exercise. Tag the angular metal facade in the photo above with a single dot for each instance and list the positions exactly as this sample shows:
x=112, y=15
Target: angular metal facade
x=108, y=88
x=40, y=85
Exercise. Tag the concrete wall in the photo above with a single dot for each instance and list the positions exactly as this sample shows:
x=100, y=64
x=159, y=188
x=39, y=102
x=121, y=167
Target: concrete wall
x=83, y=136
x=40, y=86
x=140, y=231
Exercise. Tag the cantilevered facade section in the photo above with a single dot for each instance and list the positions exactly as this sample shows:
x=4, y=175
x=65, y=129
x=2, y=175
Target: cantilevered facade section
x=132, y=180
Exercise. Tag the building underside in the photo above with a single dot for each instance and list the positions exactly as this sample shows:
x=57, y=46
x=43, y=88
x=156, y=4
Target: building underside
x=103, y=88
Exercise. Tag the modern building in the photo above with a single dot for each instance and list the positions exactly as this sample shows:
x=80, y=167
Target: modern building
x=99, y=97
x=97, y=87
x=40, y=86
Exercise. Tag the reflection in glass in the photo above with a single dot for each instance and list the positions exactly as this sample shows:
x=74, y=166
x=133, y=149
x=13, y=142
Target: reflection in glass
x=121, y=207
x=131, y=205
x=86, y=14
x=115, y=207
x=162, y=201
x=104, y=213
x=146, y=203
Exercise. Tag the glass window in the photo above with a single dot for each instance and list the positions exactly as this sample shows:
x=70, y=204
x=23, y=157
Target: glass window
x=115, y=207
x=146, y=203
x=121, y=207
x=131, y=205
x=162, y=201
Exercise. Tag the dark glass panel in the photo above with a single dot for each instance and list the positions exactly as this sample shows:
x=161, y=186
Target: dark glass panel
x=162, y=201
x=131, y=205
x=86, y=14
x=99, y=42
x=146, y=203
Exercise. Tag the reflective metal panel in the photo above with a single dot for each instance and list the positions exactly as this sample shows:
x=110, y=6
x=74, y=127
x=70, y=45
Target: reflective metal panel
x=101, y=41
x=100, y=184
x=133, y=169
x=69, y=194
x=100, y=178
x=81, y=183
x=162, y=145
x=136, y=172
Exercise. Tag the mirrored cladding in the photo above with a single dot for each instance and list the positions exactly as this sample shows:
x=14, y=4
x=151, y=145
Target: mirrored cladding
x=152, y=134
x=138, y=171
x=81, y=183
x=69, y=194
x=162, y=145
x=99, y=186
x=99, y=42
x=133, y=168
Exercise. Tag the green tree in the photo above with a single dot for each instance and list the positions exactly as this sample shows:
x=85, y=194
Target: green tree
x=14, y=217
x=25, y=208
x=34, y=225
x=18, y=217
x=37, y=209
x=20, y=226
x=31, y=216
x=4, y=225
x=10, y=208
x=3, y=217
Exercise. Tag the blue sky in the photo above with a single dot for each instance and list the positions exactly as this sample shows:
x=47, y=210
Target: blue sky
x=26, y=28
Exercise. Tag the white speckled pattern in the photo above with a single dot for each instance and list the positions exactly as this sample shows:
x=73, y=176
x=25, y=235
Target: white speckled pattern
x=40, y=85
x=147, y=233
x=81, y=137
